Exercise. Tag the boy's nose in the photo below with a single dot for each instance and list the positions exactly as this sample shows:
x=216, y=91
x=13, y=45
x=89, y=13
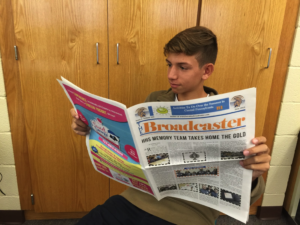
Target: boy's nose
x=172, y=73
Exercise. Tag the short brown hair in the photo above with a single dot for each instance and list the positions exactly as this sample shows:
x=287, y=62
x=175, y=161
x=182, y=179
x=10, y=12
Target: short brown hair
x=198, y=41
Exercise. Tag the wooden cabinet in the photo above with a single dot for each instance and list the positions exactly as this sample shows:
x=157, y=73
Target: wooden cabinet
x=142, y=28
x=58, y=38
x=246, y=31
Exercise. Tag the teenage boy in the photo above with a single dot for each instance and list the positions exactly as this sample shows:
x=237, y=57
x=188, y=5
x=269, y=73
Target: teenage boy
x=191, y=56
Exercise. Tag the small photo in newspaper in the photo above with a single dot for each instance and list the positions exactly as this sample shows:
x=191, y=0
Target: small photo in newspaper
x=168, y=187
x=188, y=187
x=194, y=156
x=209, y=190
x=120, y=177
x=231, y=197
x=197, y=171
x=225, y=155
x=158, y=159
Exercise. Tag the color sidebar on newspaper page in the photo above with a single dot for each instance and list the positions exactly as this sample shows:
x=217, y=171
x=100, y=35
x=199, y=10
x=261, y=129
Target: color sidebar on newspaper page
x=110, y=143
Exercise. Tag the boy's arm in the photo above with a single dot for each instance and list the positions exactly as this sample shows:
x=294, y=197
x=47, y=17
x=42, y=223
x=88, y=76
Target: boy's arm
x=258, y=188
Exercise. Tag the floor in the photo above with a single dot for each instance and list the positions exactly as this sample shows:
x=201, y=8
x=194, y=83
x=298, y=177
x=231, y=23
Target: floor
x=222, y=220
x=253, y=220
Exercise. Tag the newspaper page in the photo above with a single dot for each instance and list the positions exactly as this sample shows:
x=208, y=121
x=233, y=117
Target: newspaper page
x=192, y=149
x=189, y=150
x=110, y=144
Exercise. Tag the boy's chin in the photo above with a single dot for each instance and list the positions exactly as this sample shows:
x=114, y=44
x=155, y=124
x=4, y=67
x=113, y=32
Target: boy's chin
x=176, y=91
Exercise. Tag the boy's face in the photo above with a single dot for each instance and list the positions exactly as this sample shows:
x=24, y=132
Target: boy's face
x=184, y=74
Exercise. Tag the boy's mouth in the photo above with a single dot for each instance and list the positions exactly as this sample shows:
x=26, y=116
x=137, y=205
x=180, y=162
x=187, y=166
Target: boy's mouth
x=174, y=85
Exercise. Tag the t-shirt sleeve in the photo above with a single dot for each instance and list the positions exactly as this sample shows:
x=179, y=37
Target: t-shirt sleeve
x=154, y=95
x=148, y=99
x=258, y=190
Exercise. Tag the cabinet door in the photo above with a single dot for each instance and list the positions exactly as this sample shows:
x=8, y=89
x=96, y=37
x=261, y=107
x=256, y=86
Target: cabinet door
x=142, y=28
x=245, y=31
x=58, y=38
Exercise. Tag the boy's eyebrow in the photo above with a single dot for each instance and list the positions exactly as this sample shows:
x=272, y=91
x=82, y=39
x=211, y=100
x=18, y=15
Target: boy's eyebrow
x=178, y=62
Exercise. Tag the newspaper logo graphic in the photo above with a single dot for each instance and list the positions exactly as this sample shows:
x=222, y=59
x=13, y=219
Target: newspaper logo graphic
x=162, y=111
x=141, y=112
x=237, y=101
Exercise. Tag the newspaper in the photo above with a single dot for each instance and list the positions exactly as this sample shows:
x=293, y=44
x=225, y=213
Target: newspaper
x=188, y=149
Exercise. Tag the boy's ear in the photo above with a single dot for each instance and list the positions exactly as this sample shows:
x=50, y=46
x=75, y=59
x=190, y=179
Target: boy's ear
x=207, y=69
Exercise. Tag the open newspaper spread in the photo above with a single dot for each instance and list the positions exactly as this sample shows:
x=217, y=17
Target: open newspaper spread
x=188, y=149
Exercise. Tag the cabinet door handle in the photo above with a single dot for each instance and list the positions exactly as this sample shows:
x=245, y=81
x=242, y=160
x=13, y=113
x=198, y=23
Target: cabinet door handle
x=97, y=51
x=118, y=53
x=270, y=53
x=16, y=52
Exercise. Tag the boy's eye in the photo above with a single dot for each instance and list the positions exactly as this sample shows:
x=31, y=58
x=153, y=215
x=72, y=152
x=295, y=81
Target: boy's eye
x=169, y=65
x=183, y=68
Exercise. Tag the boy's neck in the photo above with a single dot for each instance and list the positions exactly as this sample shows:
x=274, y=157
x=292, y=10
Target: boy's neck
x=192, y=95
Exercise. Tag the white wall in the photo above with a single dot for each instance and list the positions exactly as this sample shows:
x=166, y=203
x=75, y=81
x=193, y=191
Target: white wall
x=8, y=184
x=287, y=131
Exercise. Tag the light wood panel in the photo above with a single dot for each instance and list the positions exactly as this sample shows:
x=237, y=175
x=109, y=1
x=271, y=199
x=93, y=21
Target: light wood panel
x=57, y=38
x=245, y=30
x=142, y=28
x=31, y=215
x=14, y=103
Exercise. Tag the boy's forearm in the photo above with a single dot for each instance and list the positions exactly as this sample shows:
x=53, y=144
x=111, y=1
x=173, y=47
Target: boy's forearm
x=257, y=190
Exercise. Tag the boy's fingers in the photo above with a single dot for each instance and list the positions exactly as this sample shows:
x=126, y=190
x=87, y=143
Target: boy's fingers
x=263, y=148
x=78, y=126
x=258, y=167
x=79, y=130
x=265, y=158
x=259, y=140
x=82, y=133
x=80, y=123
x=74, y=114
x=75, y=127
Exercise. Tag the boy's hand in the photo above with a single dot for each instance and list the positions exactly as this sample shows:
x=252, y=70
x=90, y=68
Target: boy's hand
x=77, y=125
x=260, y=162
